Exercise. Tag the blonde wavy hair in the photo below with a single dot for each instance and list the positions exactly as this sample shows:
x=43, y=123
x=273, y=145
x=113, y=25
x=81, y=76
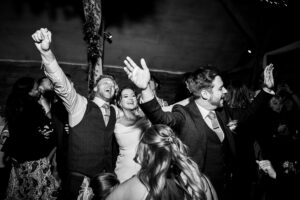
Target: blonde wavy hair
x=160, y=154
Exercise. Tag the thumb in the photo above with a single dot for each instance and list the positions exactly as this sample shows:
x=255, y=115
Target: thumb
x=143, y=64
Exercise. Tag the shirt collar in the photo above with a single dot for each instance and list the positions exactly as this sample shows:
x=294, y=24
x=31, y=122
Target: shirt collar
x=204, y=112
x=99, y=101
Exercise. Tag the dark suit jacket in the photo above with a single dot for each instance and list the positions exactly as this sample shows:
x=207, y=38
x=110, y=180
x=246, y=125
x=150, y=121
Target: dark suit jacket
x=191, y=128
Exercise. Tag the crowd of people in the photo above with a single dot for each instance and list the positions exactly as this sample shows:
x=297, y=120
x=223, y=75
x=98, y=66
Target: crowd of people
x=216, y=143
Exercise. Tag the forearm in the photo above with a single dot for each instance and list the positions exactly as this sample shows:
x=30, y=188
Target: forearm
x=73, y=102
x=48, y=57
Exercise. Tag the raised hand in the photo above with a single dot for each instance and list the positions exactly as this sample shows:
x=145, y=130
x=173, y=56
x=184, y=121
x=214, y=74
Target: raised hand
x=266, y=166
x=268, y=76
x=140, y=76
x=42, y=39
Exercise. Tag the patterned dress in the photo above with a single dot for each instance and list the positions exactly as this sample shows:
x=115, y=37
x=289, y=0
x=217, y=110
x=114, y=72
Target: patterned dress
x=31, y=174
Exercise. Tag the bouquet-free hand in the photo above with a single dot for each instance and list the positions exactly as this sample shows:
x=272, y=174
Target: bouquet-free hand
x=42, y=39
x=140, y=76
x=268, y=77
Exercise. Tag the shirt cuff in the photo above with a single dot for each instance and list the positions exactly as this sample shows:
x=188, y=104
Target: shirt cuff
x=269, y=91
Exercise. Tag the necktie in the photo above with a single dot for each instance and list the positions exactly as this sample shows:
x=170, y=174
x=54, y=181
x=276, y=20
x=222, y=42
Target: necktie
x=215, y=125
x=106, y=114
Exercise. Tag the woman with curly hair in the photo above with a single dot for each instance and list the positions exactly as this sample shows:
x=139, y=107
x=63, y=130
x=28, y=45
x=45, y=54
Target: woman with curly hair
x=166, y=171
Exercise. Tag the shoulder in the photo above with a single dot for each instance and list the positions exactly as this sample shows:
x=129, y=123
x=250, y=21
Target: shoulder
x=132, y=189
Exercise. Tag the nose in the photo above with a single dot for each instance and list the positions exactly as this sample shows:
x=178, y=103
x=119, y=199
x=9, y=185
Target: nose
x=225, y=90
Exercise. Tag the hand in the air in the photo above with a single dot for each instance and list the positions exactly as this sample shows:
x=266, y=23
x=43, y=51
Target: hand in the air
x=42, y=39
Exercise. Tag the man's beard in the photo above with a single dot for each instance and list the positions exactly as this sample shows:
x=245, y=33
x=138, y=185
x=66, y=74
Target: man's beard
x=217, y=104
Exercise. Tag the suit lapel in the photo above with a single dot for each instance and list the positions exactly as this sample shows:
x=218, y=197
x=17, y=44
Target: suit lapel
x=223, y=121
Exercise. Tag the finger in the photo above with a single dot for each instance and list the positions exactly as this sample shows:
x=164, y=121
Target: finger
x=132, y=63
x=143, y=64
x=39, y=35
x=35, y=37
x=128, y=66
x=127, y=71
x=49, y=36
x=42, y=36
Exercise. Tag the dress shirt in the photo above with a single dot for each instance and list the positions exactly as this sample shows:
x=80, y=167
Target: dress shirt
x=205, y=115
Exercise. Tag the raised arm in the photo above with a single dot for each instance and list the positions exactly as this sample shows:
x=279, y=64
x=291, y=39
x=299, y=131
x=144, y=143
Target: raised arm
x=74, y=103
x=140, y=76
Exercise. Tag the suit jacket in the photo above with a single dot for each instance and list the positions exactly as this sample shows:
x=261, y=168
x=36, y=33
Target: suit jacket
x=189, y=125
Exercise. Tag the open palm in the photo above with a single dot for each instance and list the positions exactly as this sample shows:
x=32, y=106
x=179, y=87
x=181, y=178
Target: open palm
x=140, y=76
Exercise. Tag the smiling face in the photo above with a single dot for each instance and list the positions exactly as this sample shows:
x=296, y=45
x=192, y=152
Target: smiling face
x=105, y=89
x=217, y=93
x=128, y=99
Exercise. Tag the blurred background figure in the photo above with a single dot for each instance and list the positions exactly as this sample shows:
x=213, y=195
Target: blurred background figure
x=155, y=86
x=30, y=144
x=99, y=187
x=4, y=164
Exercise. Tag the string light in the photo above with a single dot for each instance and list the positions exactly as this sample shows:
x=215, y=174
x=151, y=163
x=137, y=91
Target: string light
x=279, y=3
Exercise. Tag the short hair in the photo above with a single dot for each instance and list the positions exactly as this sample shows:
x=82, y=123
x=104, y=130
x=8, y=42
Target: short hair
x=187, y=76
x=156, y=80
x=104, y=76
x=203, y=77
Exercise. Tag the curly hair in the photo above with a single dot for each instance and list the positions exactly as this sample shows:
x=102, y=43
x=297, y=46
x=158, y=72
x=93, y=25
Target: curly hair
x=203, y=78
x=163, y=156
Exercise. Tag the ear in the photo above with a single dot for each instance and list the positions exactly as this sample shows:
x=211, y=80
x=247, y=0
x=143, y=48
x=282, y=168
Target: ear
x=205, y=94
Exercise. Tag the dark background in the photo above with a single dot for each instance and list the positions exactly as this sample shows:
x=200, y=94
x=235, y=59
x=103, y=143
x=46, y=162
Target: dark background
x=174, y=36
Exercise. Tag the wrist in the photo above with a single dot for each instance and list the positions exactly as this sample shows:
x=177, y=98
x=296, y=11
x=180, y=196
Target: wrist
x=48, y=57
x=268, y=90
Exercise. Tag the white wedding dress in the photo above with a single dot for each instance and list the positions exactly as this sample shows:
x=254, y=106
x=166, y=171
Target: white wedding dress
x=128, y=138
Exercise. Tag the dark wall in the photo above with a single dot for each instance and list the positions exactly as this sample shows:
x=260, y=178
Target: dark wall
x=172, y=35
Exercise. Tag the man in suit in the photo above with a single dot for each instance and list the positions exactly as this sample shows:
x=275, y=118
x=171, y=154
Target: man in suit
x=203, y=124
x=90, y=141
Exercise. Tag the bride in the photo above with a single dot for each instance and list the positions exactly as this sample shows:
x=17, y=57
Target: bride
x=128, y=129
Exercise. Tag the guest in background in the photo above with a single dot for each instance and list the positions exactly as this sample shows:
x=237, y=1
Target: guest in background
x=30, y=144
x=154, y=84
x=59, y=117
x=4, y=165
